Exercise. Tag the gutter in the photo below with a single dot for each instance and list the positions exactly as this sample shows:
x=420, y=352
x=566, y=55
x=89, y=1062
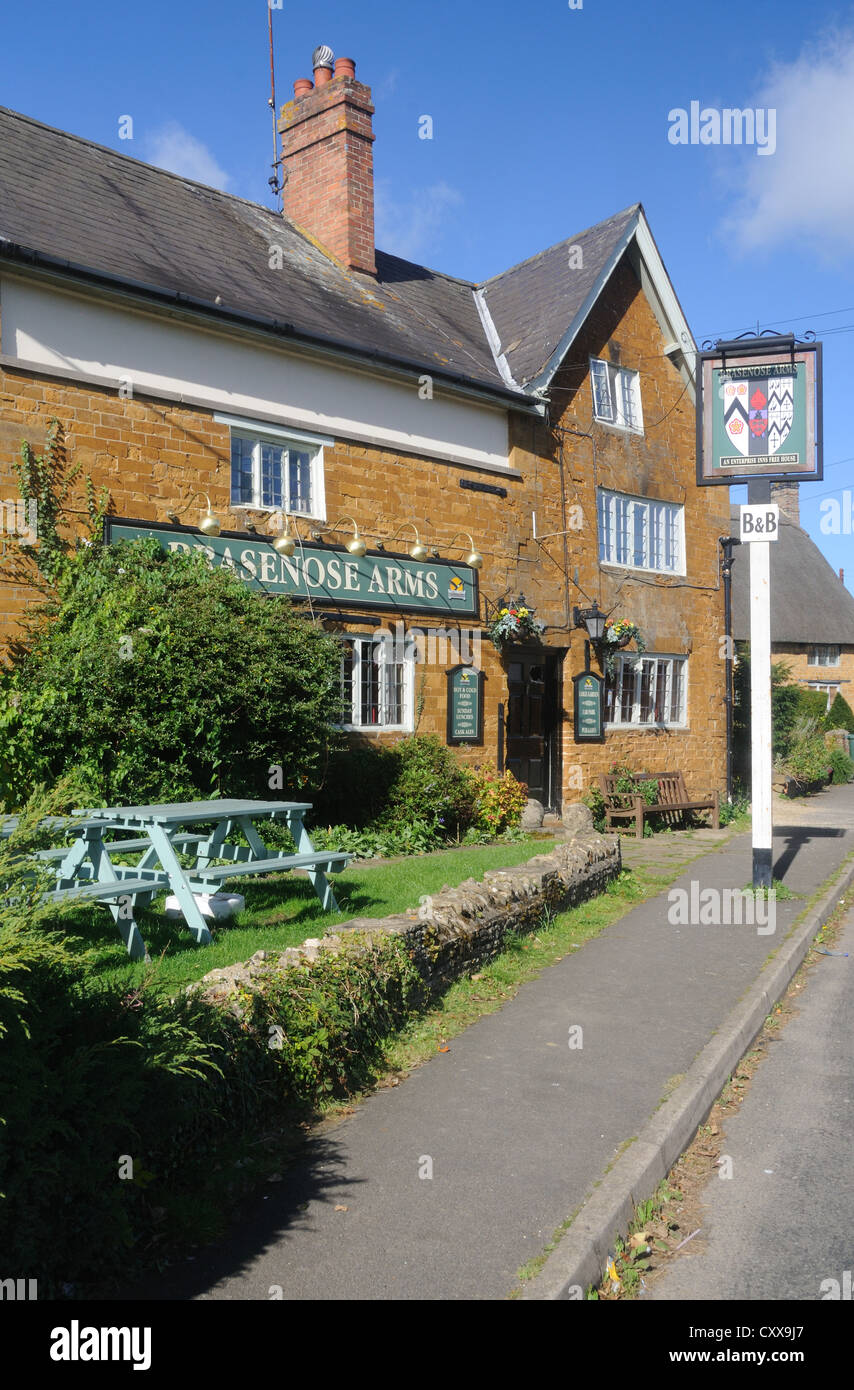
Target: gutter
x=55, y=268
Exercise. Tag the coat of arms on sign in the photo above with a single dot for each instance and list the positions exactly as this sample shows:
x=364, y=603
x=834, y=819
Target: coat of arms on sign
x=759, y=413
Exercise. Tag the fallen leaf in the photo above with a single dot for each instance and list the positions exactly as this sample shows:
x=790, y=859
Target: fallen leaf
x=443, y=1047
x=640, y=1238
x=340, y=1208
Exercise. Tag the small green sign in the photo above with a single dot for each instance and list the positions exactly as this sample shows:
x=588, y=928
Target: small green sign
x=323, y=573
x=588, y=707
x=465, y=705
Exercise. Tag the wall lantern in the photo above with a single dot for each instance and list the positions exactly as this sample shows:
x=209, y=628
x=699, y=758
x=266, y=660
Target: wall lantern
x=593, y=620
x=474, y=559
x=209, y=524
x=356, y=546
x=285, y=543
x=419, y=551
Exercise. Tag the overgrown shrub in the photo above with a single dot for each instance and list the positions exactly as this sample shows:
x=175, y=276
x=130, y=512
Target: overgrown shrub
x=596, y=801
x=812, y=704
x=841, y=715
x=843, y=767
x=353, y=783
x=499, y=801
x=161, y=679
x=431, y=788
x=808, y=756
x=328, y=1019
x=421, y=797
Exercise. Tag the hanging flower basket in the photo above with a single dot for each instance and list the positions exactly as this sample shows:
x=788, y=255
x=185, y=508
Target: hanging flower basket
x=514, y=621
x=618, y=635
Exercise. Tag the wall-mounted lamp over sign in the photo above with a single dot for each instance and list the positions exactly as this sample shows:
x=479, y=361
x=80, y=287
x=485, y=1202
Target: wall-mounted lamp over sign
x=356, y=546
x=474, y=558
x=285, y=543
x=419, y=550
x=209, y=524
x=592, y=620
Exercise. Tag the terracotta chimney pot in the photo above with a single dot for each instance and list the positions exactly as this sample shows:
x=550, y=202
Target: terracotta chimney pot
x=345, y=67
x=321, y=60
x=301, y=86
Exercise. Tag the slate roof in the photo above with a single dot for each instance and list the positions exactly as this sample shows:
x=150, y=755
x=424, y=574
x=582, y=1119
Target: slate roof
x=809, y=602
x=533, y=304
x=107, y=216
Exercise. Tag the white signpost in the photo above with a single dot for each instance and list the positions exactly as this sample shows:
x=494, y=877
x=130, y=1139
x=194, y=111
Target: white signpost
x=760, y=525
x=759, y=422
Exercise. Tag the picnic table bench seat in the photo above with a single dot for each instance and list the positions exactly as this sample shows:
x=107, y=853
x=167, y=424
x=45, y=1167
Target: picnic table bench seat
x=672, y=800
x=102, y=892
x=122, y=847
x=332, y=860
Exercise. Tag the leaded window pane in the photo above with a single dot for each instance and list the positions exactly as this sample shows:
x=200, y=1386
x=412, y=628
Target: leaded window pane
x=299, y=481
x=602, y=406
x=241, y=470
x=272, y=475
x=369, y=667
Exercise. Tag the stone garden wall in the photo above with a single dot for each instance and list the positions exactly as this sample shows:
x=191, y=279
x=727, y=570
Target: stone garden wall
x=458, y=929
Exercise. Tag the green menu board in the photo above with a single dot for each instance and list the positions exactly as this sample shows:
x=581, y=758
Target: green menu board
x=588, y=707
x=465, y=705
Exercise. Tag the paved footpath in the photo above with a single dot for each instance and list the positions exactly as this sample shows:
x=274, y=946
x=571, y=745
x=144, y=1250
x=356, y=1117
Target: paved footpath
x=519, y=1126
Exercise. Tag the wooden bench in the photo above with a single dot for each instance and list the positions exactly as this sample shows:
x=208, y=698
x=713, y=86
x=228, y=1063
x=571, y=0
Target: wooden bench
x=671, y=802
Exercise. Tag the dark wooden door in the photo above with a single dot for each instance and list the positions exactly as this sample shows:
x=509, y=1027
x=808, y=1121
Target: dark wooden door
x=532, y=751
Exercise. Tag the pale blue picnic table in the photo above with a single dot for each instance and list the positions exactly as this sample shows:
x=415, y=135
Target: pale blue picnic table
x=86, y=868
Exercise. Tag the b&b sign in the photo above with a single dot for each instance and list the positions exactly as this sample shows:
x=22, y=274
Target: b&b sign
x=760, y=523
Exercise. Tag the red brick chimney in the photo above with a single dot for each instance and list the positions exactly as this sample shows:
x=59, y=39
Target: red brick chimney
x=787, y=496
x=328, y=162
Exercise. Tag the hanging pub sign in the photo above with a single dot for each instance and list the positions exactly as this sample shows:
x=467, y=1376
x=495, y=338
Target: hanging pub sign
x=465, y=705
x=588, y=707
x=326, y=574
x=759, y=412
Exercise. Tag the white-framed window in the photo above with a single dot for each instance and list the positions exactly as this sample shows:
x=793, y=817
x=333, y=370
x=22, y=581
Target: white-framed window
x=377, y=682
x=616, y=395
x=640, y=533
x=824, y=656
x=275, y=469
x=647, y=691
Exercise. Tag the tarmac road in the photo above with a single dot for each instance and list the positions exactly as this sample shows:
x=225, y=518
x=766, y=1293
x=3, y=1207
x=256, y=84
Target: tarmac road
x=784, y=1223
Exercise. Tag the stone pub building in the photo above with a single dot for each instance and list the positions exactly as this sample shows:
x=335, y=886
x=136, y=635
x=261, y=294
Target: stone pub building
x=422, y=449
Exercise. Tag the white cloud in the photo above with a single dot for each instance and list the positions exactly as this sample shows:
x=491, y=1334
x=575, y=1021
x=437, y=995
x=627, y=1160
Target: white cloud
x=804, y=192
x=410, y=227
x=174, y=148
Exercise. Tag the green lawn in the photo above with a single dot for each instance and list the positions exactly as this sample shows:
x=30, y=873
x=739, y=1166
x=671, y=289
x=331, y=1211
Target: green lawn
x=283, y=911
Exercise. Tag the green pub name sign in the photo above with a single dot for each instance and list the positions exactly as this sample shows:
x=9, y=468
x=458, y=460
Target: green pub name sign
x=326, y=574
x=465, y=705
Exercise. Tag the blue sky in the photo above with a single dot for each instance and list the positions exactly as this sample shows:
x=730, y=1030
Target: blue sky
x=547, y=118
